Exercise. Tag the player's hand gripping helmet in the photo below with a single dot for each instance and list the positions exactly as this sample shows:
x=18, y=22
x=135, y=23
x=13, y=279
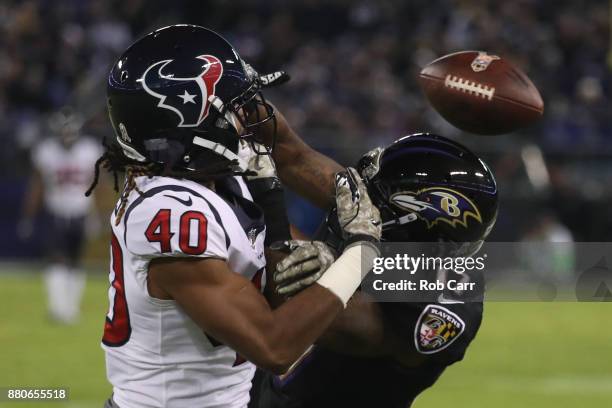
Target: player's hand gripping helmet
x=429, y=188
x=179, y=97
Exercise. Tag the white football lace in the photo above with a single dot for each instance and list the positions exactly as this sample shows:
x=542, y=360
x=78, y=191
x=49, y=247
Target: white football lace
x=471, y=87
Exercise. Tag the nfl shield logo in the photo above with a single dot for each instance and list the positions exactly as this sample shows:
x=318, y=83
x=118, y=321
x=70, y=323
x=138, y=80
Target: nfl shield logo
x=482, y=61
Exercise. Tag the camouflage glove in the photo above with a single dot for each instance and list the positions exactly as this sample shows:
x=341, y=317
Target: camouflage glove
x=359, y=219
x=303, y=267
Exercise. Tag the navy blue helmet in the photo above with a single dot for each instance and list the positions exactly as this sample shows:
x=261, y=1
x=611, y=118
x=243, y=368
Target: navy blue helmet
x=179, y=97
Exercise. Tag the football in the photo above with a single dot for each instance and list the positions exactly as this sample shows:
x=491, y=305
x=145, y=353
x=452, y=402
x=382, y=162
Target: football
x=481, y=93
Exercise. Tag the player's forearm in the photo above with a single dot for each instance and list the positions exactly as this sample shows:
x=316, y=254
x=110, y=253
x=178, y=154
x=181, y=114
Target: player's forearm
x=291, y=336
x=301, y=168
x=358, y=330
x=278, y=338
x=310, y=174
x=270, y=339
x=340, y=280
x=230, y=308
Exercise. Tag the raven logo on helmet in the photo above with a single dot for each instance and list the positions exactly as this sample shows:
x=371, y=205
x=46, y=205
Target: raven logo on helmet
x=190, y=97
x=434, y=204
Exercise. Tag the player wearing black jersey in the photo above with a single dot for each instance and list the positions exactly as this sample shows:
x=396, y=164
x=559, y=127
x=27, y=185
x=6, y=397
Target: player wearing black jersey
x=385, y=354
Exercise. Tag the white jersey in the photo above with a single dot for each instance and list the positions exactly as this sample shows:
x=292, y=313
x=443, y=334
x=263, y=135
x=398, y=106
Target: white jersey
x=66, y=174
x=156, y=356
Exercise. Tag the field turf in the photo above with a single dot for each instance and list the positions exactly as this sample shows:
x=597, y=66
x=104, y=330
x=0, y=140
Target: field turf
x=544, y=355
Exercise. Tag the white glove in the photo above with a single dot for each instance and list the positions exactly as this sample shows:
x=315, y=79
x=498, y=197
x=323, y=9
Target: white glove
x=262, y=165
x=303, y=267
x=359, y=219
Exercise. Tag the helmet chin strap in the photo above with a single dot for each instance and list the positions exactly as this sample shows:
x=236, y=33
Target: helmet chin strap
x=216, y=147
x=221, y=150
x=229, y=116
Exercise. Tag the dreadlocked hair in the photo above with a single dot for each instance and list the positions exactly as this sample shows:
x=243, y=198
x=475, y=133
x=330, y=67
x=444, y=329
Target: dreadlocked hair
x=115, y=162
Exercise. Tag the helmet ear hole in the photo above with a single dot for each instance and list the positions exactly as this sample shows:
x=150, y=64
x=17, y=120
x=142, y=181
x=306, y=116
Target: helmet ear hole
x=167, y=151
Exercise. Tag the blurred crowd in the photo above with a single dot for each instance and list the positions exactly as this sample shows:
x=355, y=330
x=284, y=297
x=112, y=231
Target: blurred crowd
x=353, y=64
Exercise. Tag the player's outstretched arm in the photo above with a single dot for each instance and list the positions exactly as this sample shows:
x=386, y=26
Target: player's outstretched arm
x=361, y=329
x=303, y=169
x=229, y=308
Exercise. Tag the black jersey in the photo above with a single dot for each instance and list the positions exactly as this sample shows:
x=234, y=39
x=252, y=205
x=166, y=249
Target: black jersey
x=439, y=331
x=437, y=334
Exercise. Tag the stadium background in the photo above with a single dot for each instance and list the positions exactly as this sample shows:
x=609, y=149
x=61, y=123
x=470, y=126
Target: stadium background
x=354, y=66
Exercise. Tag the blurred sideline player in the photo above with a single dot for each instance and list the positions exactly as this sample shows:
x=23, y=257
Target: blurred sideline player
x=187, y=320
x=386, y=354
x=61, y=172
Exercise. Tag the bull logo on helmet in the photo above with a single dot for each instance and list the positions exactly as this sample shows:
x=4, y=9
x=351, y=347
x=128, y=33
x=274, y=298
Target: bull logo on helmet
x=189, y=98
x=438, y=204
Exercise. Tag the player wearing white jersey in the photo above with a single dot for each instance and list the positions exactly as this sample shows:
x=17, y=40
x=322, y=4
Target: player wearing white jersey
x=61, y=173
x=156, y=354
x=187, y=240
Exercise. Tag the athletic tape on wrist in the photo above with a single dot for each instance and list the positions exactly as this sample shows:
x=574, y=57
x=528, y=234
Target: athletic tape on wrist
x=344, y=276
